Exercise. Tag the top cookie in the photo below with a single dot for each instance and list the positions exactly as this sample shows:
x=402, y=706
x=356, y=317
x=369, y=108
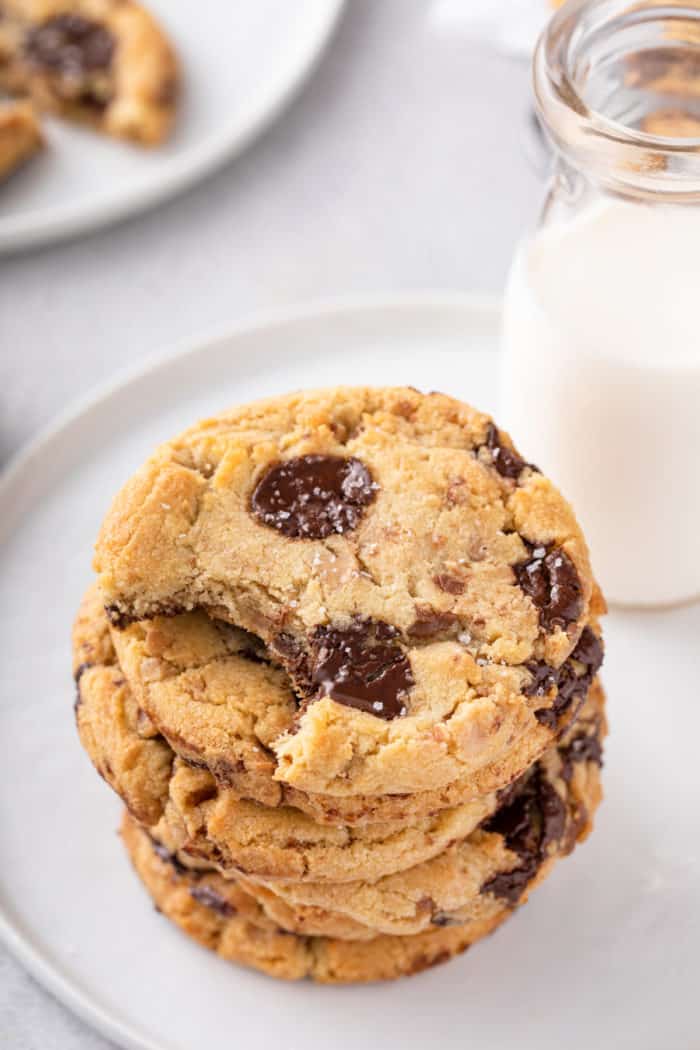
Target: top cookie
x=422, y=584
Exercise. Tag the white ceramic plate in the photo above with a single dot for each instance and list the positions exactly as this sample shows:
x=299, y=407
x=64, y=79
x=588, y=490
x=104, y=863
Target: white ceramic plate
x=606, y=953
x=242, y=61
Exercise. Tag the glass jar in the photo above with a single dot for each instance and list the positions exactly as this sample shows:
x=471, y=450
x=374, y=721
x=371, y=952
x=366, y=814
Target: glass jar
x=601, y=363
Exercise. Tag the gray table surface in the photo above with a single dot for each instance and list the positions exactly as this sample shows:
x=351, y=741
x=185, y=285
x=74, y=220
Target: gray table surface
x=400, y=166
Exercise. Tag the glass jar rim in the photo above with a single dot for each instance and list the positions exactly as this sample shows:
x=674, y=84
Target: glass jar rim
x=624, y=159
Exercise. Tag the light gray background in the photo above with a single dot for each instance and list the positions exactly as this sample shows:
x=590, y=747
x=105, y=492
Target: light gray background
x=401, y=166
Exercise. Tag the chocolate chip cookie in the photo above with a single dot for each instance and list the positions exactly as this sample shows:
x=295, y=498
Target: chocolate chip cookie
x=425, y=589
x=101, y=62
x=20, y=135
x=218, y=914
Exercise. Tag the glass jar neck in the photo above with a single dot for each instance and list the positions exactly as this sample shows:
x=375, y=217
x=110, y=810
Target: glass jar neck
x=617, y=88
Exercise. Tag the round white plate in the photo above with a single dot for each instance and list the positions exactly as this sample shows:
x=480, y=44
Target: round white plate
x=241, y=62
x=605, y=954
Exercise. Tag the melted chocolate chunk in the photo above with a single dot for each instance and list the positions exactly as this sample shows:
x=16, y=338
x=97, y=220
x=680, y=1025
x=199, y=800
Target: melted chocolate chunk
x=582, y=748
x=550, y=580
x=573, y=679
x=312, y=497
x=509, y=885
x=362, y=666
x=506, y=460
x=70, y=45
x=544, y=679
x=211, y=899
x=533, y=818
x=589, y=652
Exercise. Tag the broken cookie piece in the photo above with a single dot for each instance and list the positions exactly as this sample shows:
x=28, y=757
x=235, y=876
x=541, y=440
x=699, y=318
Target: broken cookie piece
x=105, y=63
x=20, y=135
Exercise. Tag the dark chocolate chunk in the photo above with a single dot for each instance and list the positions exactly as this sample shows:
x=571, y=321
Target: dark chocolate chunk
x=573, y=679
x=550, y=580
x=506, y=460
x=311, y=497
x=70, y=45
x=362, y=666
x=583, y=748
x=211, y=899
x=589, y=652
x=529, y=821
x=544, y=678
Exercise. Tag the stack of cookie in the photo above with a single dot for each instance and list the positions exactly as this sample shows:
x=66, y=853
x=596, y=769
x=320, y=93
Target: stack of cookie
x=340, y=664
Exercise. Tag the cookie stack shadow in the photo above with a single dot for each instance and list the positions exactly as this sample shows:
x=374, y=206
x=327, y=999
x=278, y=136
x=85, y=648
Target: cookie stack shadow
x=354, y=797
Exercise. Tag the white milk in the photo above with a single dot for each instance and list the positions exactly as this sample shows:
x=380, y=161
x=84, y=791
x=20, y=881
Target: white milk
x=602, y=387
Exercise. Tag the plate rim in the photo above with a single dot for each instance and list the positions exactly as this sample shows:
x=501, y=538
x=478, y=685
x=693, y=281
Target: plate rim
x=49, y=225
x=32, y=957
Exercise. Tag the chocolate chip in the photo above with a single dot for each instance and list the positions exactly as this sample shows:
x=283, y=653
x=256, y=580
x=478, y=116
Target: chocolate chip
x=362, y=666
x=506, y=460
x=549, y=578
x=429, y=622
x=534, y=817
x=70, y=45
x=211, y=899
x=312, y=497
x=573, y=679
x=448, y=583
